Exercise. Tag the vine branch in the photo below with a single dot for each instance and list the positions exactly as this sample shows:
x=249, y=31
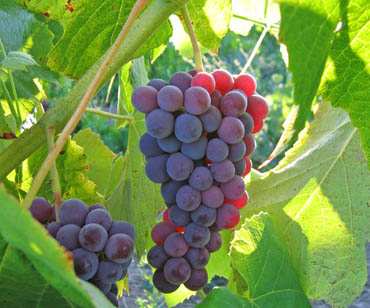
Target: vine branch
x=193, y=38
x=68, y=129
x=109, y=115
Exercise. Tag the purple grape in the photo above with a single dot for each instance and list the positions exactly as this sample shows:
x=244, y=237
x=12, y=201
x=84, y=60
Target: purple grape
x=223, y=171
x=161, y=283
x=215, y=242
x=157, y=256
x=211, y=119
x=213, y=197
x=228, y=216
x=169, y=190
x=41, y=209
x=250, y=145
x=179, y=167
x=188, y=128
x=187, y=198
x=144, y=99
x=170, y=98
x=114, y=289
x=196, y=100
x=156, y=170
x=204, y=216
x=109, y=272
x=102, y=286
x=233, y=104
x=101, y=217
x=53, y=228
x=175, y=245
x=122, y=227
x=148, y=146
x=93, y=237
x=176, y=271
x=195, y=150
x=216, y=97
x=119, y=248
x=198, y=279
x=179, y=217
x=217, y=150
x=67, y=236
x=73, y=211
x=233, y=189
x=96, y=206
x=201, y=179
x=231, y=130
x=157, y=83
x=85, y=263
x=170, y=144
x=248, y=123
x=181, y=80
x=196, y=236
x=112, y=298
x=197, y=257
x=240, y=167
x=236, y=151
x=160, y=123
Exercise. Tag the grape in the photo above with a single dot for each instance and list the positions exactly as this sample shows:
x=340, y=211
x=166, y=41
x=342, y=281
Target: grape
x=179, y=217
x=204, y=216
x=211, y=120
x=67, y=236
x=248, y=123
x=196, y=236
x=109, y=272
x=102, y=286
x=176, y=270
x=258, y=124
x=188, y=128
x=195, y=150
x=201, y=179
x=187, y=198
x=148, y=146
x=223, y=171
x=231, y=130
x=239, y=203
x=126, y=265
x=197, y=257
x=258, y=107
x=157, y=83
x=233, y=104
x=122, y=227
x=224, y=81
x=156, y=168
x=169, y=144
x=93, y=237
x=240, y=167
x=112, y=298
x=192, y=72
x=214, y=227
x=181, y=80
x=73, y=211
x=175, y=245
x=169, y=190
x=144, y=99
x=204, y=80
x=53, y=228
x=170, y=98
x=196, y=100
x=166, y=217
x=248, y=164
x=246, y=83
x=159, y=123
x=157, y=257
x=215, y=242
x=101, y=217
x=53, y=215
x=85, y=263
x=160, y=232
x=216, y=98
x=217, y=150
x=213, y=197
x=233, y=189
x=160, y=282
x=96, y=206
x=250, y=145
x=236, y=151
x=228, y=216
x=119, y=248
x=41, y=209
x=179, y=167
x=198, y=279
x=114, y=289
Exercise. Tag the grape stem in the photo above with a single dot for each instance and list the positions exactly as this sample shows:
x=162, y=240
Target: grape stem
x=110, y=115
x=110, y=88
x=139, y=5
x=202, y=294
x=57, y=191
x=12, y=85
x=257, y=22
x=193, y=38
x=255, y=49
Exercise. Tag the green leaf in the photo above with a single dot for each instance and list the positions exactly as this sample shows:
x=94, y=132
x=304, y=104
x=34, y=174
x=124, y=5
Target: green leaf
x=307, y=30
x=51, y=261
x=262, y=263
x=346, y=81
x=98, y=23
x=222, y=297
x=174, y=298
x=18, y=60
x=124, y=106
x=211, y=20
x=135, y=198
x=99, y=157
x=317, y=198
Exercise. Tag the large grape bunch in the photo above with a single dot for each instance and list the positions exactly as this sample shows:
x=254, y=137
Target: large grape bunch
x=102, y=248
x=197, y=146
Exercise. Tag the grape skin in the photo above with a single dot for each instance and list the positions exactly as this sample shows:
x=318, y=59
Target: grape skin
x=179, y=167
x=233, y=189
x=67, y=236
x=247, y=83
x=201, y=179
x=159, y=123
x=187, y=198
x=248, y=164
x=197, y=257
x=198, y=279
x=236, y=151
x=156, y=168
x=175, y=245
x=188, y=128
x=122, y=227
x=53, y=228
x=195, y=150
x=144, y=99
x=223, y=171
x=148, y=146
x=109, y=272
x=157, y=83
x=157, y=256
x=215, y=242
x=162, y=285
x=231, y=130
x=102, y=286
x=169, y=190
x=101, y=217
x=160, y=232
x=228, y=216
x=211, y=119
x=240, y=167
x=204, y=80
x=224, y=81
x=93, y=237
x=41, y=209
x=112, y=298
x=85, y=263
x=258, y=124
x=258, y=107
x=233, y=104
x=177, y=270
x=248, y=123
x=213, y=197
x=196, y=236
x=170, y=98
x=179, y=217
x=196, y=100
x=217, y=150
x=169, y=144
x=96, y=206
x=181, y=80
x=73, y=211
x=216, y=98
x=119, y=248
x=250, y=145
x=204, y=216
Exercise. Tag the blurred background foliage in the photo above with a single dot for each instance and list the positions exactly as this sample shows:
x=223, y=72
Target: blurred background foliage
x=268, y=66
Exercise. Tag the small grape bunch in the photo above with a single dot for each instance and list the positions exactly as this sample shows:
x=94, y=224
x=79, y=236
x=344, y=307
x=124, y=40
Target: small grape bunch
x=102, y=248
x=197, y=146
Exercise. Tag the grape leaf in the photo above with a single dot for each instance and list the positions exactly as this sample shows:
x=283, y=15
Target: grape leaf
x=260, y=260
x=50, y=260
x=18, y=60
x=222, y=297
x=307, y=30
x=346, y=81
x=211, y=20
x=97, y=22
x=135, y=198
x=317, y=197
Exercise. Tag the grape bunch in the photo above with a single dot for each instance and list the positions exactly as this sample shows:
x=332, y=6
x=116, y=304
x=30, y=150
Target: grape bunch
x=102, y=248
x=197, y=146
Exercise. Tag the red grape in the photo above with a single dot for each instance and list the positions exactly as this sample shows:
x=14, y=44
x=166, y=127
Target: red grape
x=224, y=81
x=257, y=107
x=246, y=83
x=258, y=124
x=204, y=80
